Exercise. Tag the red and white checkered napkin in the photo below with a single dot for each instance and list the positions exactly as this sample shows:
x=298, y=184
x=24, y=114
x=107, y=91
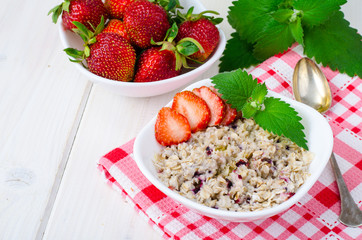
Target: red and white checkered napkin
x=314, y=217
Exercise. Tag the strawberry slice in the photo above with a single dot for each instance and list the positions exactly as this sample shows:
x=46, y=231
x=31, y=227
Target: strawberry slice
x=171, y=127
x=214, y=102
x=230, y=113
x=193, y=108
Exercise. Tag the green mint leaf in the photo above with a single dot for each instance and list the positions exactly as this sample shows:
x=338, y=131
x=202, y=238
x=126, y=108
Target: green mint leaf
x=316, y=12
x=236, y=87
x=336, y=45
x=280, y=118
x=239, y=89
x=238, y=53
x=259, y=94
x=297, y=30
x=283, y=15
x=255, y=102
x=249, y=18
x=248, y=110
x=286, y=4
x=276, y=38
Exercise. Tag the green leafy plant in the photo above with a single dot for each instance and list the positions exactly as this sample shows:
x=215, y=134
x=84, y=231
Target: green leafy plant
x=245, y=94
x=268, y=27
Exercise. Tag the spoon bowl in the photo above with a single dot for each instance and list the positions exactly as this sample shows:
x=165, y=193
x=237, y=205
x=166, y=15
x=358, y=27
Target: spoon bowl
x=311, y=87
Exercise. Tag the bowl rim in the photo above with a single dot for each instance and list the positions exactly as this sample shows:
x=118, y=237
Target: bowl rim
x=307, y=185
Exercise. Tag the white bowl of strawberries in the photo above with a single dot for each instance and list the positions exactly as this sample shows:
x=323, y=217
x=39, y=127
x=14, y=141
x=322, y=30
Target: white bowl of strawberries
x=144, y=59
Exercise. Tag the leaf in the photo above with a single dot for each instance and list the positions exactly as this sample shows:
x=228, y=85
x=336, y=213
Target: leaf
x=239, y=89
x=238, y=53
x=259, y=94
x=280, y=118
x=255, y=102
x=245, y=13
x=283, y=15
x=82, y=30
x=316, y=12
x=56, y=12
x=236, y=87
x=74, y=53
x=187, y=48
x=297, y=30
x=275, y=39
x=336, y=45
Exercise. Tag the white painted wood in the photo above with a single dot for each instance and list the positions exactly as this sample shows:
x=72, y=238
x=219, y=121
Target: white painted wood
x=39, y=102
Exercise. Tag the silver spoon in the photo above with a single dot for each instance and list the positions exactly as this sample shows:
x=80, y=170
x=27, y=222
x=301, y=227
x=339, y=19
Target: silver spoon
x=310, y=86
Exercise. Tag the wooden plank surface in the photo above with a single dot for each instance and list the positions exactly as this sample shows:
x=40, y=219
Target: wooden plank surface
x=39, y=102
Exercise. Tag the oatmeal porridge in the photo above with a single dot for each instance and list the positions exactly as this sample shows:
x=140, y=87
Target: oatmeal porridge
x=239, y=167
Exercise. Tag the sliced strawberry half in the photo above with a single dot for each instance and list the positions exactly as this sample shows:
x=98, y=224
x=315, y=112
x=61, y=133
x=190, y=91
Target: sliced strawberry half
x=214, y=102
x=230, y=113
x=194, y=108
x=171, y=127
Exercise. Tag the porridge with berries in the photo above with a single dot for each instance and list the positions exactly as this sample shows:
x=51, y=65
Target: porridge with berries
x=239, y=167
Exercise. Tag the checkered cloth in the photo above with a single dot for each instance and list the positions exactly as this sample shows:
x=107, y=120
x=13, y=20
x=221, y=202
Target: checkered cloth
x=313, y=217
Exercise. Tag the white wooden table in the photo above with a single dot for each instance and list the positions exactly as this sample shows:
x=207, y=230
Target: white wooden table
x=55, y=125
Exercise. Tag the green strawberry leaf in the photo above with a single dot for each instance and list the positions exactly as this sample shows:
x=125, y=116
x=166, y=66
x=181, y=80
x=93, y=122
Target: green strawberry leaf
x=238, y=53
x=245, y=13
x=57, y=10
x=82, y=30
x=236, y=87
x=280, y=118
x=171, y=33
x=335, y=44
x=187, y=48
x=276, y=38
x=76, y=54
x=316, y=12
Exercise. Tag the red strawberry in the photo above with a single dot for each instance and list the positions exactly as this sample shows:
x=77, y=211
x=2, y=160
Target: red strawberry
x=171, y=127
x=202, y=30
x=117, y=26
x=87, y=12
x=193, y=108
x=230, y=113
x=155, y=64
x=107, y=54
x=145, y=21
x=158, y=63
x=214, y=102
x=111, y=56
x=116, y=8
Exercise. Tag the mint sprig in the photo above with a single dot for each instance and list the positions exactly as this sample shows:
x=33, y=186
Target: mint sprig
x=264, y=28
x=245, y=94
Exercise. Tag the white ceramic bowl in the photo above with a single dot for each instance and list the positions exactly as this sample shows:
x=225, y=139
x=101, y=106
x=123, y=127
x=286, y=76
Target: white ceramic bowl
x=133, y=89
x=320, y=142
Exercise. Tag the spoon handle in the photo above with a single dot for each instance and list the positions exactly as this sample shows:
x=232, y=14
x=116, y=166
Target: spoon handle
x=351, y=215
